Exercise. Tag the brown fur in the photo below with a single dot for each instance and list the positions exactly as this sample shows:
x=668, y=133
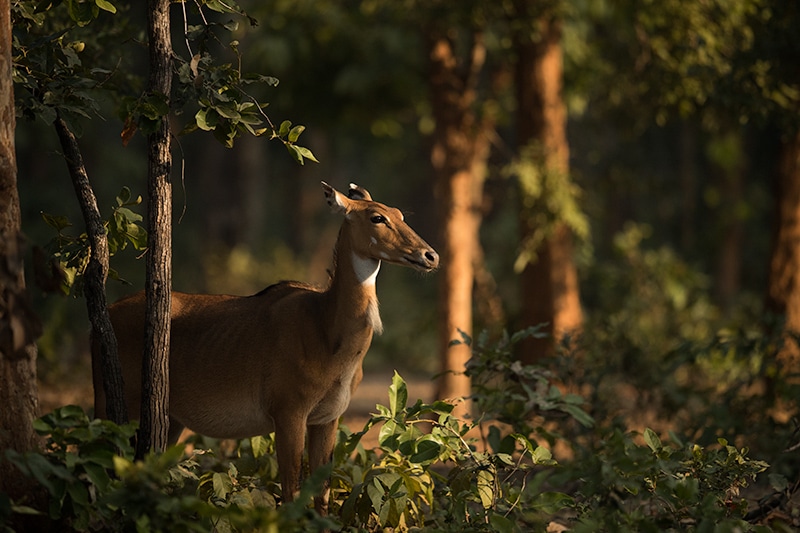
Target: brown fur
x=286, y=359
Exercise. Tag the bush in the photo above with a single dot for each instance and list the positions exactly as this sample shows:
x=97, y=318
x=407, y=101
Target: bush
x=429, y=472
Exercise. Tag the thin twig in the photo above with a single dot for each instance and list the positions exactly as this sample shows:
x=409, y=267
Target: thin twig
x=186, y=30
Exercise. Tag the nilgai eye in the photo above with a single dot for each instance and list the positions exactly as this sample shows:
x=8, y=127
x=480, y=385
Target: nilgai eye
x=378, y=219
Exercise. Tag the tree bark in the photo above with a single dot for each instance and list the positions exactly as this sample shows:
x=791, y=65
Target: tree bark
x=783, y=289
x=549, y=283
x=19, y=325
x=731, y=182
x=95, y=277
x=153, y=433
x=459, y=155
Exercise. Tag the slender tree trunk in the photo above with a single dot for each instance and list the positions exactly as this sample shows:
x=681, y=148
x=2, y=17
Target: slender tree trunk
x=95, y=277
x=550, y=282
x=783, y=290
x=153, y=433
x=459, y=154
x=19, y=326
x=687, y=165
x=731, y=169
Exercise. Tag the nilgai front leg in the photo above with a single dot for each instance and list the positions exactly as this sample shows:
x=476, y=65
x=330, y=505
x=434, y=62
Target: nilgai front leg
x=289, y=443
x=321, y=441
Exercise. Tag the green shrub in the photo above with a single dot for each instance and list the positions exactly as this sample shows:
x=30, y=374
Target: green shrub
x=429, y=472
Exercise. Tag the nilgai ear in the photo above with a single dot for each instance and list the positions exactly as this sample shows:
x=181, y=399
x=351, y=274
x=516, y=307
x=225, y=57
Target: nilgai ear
x=358, y=193
x=338, y=202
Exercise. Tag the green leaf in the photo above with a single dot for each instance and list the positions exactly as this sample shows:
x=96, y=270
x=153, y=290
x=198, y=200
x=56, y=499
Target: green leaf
x=124, y=196
x=42, y=427
x=224, y=7
x=551, y=502
x=105, y=5
x=428, y=449
x=305, y=152
x=652, y=440
x=375, y=492
x=398, y=394
x=542, y=456
x=82, y=13
x=137, y=236
x=206, y=119
x=222, y=485
x=501, y=524
x=295, y=153
x=284, y=129
x=228, y=111
x=389, y=433
x=154, y=106
x=128, y=216
x=295, y=132
x=58, y=222
x=578, y=414
x=258, y=445
x=79, y=494
x=485, y=484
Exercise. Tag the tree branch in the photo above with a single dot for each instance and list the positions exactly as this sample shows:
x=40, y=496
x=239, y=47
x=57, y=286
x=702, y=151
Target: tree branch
x=95, y=277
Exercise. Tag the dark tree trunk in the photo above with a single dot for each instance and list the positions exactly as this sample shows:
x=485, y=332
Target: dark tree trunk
x=459, y=155
x=153, y=433
x=95, y=277
x=687, y=165
x=550, y=282
x=783, y=289
x=732, y=171
x=19, y=326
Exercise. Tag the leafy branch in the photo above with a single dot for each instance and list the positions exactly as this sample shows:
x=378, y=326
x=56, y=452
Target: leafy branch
x=71, y=253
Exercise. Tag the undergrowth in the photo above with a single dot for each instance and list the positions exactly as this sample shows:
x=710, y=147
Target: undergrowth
x=430, y=471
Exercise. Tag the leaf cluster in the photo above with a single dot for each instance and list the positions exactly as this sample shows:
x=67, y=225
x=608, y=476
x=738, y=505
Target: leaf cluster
x=504, y=389
x=61, y=65
x=662, y=486
x=77, y=464
x=68, y=58
x=69, y=254
x=550, y=199
x=428, y=472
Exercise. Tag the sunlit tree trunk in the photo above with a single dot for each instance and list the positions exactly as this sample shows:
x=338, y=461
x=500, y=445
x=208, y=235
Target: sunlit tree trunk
x=783, y=291
x=19, y=326
x=549, y=282
x=459, y=154
x=154, y=428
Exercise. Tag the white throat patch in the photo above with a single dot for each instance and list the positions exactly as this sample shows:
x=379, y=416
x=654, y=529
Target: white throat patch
x=366, y=270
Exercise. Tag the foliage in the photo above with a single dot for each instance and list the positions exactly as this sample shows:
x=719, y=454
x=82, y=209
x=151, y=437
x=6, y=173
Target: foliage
x=649, y=299
x=676, y=59
x=506, y=390
x=64, y=66
x=663, y=487
x=75, y=466
x=70, y=254
x=425, y=472
x=549, y=197
x=429, y=471
x=61, y=65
